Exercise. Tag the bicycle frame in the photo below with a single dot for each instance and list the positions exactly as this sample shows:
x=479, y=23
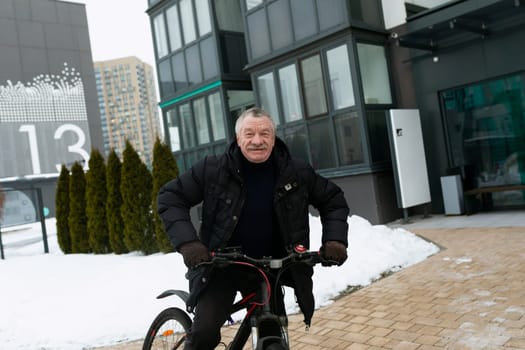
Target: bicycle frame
x=266, y=327
x=256, y=314
x=259, y=316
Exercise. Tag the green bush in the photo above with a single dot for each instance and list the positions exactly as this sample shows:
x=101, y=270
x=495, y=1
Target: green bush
x=135, y=188
x=96, y=197
x=164, y=169
x=113, y=204
x=77, y=210
x=62, y=211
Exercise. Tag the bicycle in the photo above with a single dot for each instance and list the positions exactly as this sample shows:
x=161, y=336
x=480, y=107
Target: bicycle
x=268, y=330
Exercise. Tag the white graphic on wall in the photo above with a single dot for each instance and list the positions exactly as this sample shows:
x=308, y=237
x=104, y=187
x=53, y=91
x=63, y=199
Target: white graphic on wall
x=44, y=124
x=48, y=97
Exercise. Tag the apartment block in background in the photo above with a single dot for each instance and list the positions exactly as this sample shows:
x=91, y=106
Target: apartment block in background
x=128, y=105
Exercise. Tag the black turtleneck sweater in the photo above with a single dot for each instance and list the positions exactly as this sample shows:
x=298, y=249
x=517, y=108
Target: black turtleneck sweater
x=256, y=232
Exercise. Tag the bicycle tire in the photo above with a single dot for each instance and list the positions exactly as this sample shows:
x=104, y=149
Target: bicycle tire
x=168, y=330
x=275, y=346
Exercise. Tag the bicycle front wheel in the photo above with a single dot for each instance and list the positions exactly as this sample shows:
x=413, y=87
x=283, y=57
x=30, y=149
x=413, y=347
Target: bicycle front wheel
x=275, y=346
x=168, y=330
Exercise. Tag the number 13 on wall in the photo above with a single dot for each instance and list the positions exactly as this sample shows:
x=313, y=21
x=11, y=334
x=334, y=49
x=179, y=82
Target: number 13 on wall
x=75, y=149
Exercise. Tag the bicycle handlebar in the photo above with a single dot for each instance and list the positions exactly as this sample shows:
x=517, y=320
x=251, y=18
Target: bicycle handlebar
x=299, y=255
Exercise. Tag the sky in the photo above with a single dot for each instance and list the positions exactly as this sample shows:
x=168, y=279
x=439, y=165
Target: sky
x=119, y=28
x=62, y=302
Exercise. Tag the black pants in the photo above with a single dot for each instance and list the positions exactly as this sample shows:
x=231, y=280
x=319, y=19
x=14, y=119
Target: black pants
x=214, y=304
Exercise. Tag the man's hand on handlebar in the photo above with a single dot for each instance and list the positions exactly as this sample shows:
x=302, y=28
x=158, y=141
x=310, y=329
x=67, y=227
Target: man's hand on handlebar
x=194, y=253
x=333, y=251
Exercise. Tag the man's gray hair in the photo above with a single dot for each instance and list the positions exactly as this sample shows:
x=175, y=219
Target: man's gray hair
x=255, y=112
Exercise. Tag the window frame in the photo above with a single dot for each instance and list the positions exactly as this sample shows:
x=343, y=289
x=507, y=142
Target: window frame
x=364, y=162
x=158, y=43
x=319, y=54
x=174, y=6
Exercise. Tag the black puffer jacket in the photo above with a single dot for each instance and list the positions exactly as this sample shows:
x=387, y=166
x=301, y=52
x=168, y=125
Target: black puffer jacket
x=217, y=183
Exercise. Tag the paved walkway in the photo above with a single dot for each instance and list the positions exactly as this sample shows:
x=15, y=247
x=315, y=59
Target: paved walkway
x=471, y=295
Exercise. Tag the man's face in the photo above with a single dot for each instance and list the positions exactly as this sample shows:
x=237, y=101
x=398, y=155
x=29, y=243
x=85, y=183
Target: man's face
x=256, y=138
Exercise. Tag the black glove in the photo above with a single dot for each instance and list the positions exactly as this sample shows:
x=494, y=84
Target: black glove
x=194, y=252
x=334, y=251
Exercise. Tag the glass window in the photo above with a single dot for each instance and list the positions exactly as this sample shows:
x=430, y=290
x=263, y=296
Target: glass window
x=216, y=116
x=161, y=41
x=209, y=58
x=486, y=134
x=252, y=3
x=179, y=71
x=280, y=26
x=368, y=11
x=303, y=18
x=194, y=68
x=321, y=150
x=348, y=137
x=340, y=77
x=267, y=95
x=313, y=86
x=201, y=121
x=258, y=33
x=188, y=25
x=290, y=93
x=172, y=15
x=191, y=158
x=173, y=130
x=229, y=15
x=296, y=140
x=186, y=123
x=374, y=74
x=378, y=130
x=238, y=101
x=166, y=80
x=203, y=16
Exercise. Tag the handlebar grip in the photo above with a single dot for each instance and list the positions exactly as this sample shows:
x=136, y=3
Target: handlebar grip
x=326, y=262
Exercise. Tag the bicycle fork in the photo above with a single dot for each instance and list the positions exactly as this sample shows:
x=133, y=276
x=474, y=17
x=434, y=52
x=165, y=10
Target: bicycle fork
x=269, y=329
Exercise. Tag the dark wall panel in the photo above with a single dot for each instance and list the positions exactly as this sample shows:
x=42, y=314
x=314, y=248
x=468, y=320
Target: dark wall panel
x=371, y=196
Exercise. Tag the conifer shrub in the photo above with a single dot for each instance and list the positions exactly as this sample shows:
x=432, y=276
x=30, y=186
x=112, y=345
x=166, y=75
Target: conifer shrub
x=62, y=211
x=96, y=196
x=77, y=210
x=135, y=188
x=114, y=204
x=164, y=169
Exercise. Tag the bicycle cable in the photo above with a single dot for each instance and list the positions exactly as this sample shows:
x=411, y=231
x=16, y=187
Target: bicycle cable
x=266, y=281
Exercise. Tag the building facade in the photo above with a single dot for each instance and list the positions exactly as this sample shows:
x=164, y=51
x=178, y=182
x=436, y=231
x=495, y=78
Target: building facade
x=128, y=105
x=329, y=72
x=48, y=103
x=306, y=62
x=468, y=64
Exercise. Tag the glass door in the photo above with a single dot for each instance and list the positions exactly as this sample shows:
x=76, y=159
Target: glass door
x=485, y=124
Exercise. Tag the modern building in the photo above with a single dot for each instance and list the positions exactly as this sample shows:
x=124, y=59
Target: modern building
x=331, y=72
x=467, y=64
x=128, y=105
x=48, y=103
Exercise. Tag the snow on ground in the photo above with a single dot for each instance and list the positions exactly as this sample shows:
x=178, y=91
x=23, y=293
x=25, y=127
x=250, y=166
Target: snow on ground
x=56, y=301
